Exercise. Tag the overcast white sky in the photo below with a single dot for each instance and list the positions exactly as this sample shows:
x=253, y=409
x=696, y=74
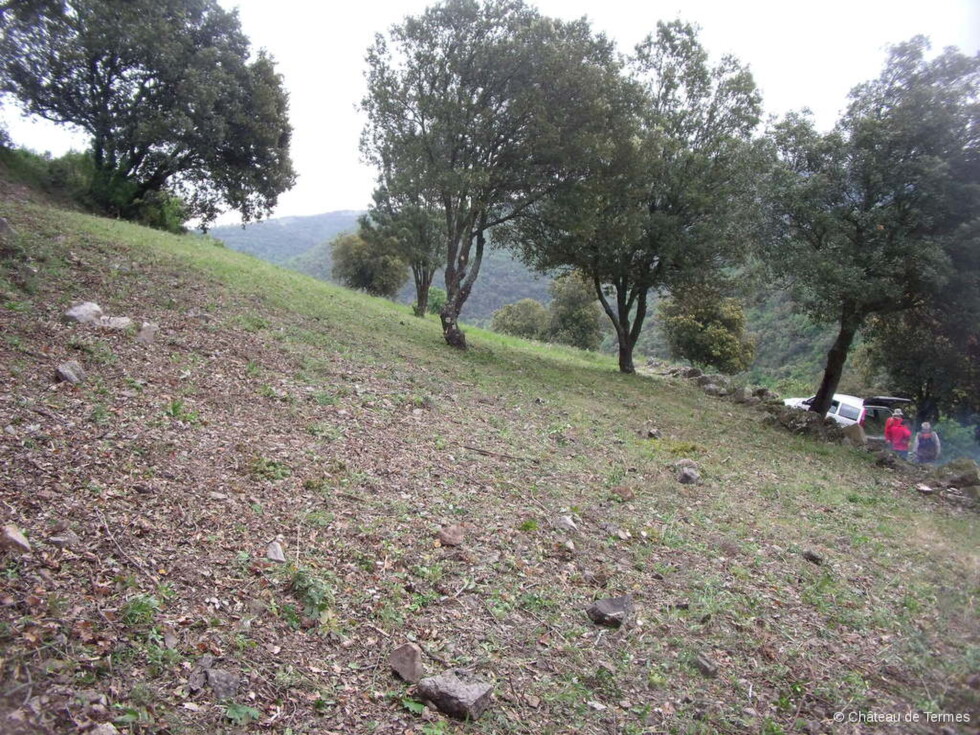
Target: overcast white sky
x=802, y=55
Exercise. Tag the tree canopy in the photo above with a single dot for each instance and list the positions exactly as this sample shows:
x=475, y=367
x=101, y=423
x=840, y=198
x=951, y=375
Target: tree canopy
x=485, y=105
x=168, y=92
x=667, y=197
x=369, y=264
x=865, y=215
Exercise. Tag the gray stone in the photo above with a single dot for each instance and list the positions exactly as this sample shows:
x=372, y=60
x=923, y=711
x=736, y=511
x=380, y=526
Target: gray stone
x=566, y=523
x=693, y=373
x=706, y=666
x=611, y=612
x=115, y=323
x=855, y=436
x=457, y=693
x=148, y=333
x=688, y=476
x=223, y=683
x=87, y=312
x=654, y=433
x=813, y=557
x=13, y=538
x=70, y=372
x=274, y=552
x=65, y=540
x=406, y=661
x=452, y=535
x=6, y=231
x=685, y=462
x=106, y=728
x=713, y=390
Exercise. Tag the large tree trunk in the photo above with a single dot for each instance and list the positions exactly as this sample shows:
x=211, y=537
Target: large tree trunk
x=850, y=322
x=461, y=273
x=626, y=357
x=626, y=334
x=423, y=281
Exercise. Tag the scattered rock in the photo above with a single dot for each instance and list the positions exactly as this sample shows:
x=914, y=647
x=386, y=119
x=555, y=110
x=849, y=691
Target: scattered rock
x=925, y=489
x=654, y=433
x=688, y=476
x=706, y=666
x=65, y=540
x=115, y=323
x=87, y=312
x=273, y=552
x=625, y=494
x=887, y=459
x=452, y=535
x=611, y=612
x=6, y=231
x=148, y=333
x=106, y=728
x=855, y=436
x=223, y=683
x=740, y=394
x=457, y=693
x=14, y=539
x=713, y=390
x=406, y=661
x=813, y=557
x=566, y=523
x=692, y=373
x=685, y=462
x=70, y=372
x=199, y=676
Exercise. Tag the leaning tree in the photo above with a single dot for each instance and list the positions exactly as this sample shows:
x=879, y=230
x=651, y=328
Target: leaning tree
x=667, y=201
x=169, y=93
x=487, y=105
x=865, y=216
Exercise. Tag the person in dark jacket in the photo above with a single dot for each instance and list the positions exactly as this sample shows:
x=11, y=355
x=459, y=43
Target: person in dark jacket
x=926, y=448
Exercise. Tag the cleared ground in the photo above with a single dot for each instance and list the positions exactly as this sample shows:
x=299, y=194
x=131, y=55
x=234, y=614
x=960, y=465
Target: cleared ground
x=274, y=407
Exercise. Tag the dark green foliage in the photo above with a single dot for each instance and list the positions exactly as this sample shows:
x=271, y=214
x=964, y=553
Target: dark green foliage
x=575, y=317
x=437, y=299
x=411, y=226
x=166, y=89
x=485, y=107
x=369, y=265
x=527, y=319
x=668, y=194
x=707, y=329
x=865, y=216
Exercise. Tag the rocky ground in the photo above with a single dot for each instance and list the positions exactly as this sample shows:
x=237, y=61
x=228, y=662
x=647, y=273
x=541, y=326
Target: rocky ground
x=234, y=517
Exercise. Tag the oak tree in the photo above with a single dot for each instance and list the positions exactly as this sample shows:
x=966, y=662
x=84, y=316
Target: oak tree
x=169, y=92
x=864, y=216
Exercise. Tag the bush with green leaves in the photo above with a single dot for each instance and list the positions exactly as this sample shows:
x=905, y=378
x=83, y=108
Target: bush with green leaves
x=526, y=318
x=707, y=329
x=369, y=265
x=575, y=315
x=437, y=299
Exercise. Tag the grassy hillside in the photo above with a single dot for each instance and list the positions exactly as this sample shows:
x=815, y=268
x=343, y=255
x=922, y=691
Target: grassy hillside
x=797, y=580
x=303, y=244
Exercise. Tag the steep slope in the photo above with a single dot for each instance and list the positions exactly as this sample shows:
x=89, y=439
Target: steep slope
x=794, y=581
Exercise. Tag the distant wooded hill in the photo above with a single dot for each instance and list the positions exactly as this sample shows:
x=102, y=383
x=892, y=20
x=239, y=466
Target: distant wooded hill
x=303, y=244
x=789, y=347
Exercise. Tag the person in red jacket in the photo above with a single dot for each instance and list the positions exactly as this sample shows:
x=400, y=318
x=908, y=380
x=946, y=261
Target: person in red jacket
x=901, y=437
x=894, y=420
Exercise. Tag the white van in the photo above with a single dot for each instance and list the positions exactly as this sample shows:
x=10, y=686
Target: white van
x=847, y=410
